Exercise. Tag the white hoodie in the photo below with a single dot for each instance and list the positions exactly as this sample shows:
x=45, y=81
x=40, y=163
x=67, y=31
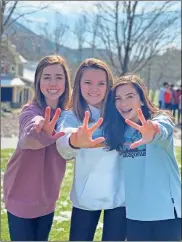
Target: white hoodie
x=98, y=174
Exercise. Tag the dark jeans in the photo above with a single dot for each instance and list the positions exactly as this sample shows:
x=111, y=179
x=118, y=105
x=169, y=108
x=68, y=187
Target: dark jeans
x=168, y=106
x=35, y=229
x=160, y=104
x=175, y=108
x=84, y=223
x=163, y=230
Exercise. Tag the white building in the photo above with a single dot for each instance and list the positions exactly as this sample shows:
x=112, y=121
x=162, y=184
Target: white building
x=16, y=89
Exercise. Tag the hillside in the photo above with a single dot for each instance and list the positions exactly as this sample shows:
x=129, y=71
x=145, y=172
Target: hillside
x=33, y=47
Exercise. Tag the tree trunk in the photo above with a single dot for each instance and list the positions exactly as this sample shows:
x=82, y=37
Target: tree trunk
x=153, y=95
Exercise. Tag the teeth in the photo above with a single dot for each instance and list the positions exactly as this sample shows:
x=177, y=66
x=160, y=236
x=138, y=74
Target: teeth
x=125, y=110
x=52, y=91
x=93, y=95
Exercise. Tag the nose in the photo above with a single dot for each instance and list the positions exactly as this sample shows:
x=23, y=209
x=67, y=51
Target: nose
x=122, y=104
x=53, y=81
x=93, y=88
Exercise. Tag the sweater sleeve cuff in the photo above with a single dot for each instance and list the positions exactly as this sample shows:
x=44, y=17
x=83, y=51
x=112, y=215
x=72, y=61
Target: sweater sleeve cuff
x=161, y=137
x=42, y=137
x=64, y=149
x=156, y=138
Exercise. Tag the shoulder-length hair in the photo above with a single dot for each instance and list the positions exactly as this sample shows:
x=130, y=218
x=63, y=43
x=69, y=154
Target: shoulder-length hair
x=114, y=125
x=39, y=97
x=78, y=103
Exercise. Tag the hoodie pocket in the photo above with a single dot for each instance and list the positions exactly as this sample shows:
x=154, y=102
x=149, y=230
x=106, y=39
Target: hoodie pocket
x=98, y=189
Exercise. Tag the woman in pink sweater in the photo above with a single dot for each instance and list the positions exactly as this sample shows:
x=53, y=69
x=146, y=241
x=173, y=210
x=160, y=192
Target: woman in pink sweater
x=35, y=171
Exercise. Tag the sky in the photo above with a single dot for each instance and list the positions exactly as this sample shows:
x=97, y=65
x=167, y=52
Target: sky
x=78, y=6
x=70, y=11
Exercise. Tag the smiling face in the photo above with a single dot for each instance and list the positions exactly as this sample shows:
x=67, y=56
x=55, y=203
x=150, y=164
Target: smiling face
x=127, y=102
x=52, y=84
x=93, y=86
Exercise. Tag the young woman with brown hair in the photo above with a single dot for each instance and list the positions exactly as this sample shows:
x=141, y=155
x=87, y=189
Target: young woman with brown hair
x=143, y=135
x=35, y=171
x=98, y=182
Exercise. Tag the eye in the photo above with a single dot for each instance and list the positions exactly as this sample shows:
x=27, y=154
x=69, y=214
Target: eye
x=102, y=84
x=130, y=96
x=46, y=78
x=87, y=82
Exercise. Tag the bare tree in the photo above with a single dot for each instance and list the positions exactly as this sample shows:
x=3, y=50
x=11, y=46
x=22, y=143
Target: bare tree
x=92, y=28
x=79, y=31
x=157, y=75
x=161, y=69
x=57, y=33
x=148, y=75
x=132, y=37
x=11, y=12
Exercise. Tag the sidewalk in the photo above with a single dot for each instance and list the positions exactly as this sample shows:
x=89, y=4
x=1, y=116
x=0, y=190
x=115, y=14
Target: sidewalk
x=8, y=143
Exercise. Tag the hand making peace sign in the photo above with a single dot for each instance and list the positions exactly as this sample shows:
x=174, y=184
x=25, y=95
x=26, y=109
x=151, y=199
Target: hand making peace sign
x=148, y=129
x=83, y=137
x=48, y=126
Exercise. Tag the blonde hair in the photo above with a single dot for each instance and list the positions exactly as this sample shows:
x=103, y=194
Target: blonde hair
x=44, y=62
x=78, y=103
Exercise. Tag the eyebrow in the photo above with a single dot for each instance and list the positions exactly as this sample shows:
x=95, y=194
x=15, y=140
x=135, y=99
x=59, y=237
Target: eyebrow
x=127, y=94
x=56, y=74
x=91, y=80
x=130, y=93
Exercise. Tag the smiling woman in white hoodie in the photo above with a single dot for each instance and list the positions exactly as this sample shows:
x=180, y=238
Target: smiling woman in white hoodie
x=98, y=180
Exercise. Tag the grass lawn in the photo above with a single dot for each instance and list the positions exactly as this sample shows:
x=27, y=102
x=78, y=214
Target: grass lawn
x=60, y=228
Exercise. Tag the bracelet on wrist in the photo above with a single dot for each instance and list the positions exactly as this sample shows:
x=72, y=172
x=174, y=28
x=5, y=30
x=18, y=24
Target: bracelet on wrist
x=73, y=147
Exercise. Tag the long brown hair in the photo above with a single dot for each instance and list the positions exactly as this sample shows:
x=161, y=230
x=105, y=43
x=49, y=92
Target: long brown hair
x=39, y=97
x=114, y=125
x=78, y=103
x=149, y=109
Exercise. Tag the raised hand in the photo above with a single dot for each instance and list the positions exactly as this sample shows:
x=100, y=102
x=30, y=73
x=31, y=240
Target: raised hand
x=148, y=129
x=83, y=137
x=39, y=123
x=48, y=126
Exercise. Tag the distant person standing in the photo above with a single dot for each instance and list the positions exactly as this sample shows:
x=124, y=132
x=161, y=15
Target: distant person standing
x=178, y=94
x=161, y=95
x=167, y=98
x=174, y=100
